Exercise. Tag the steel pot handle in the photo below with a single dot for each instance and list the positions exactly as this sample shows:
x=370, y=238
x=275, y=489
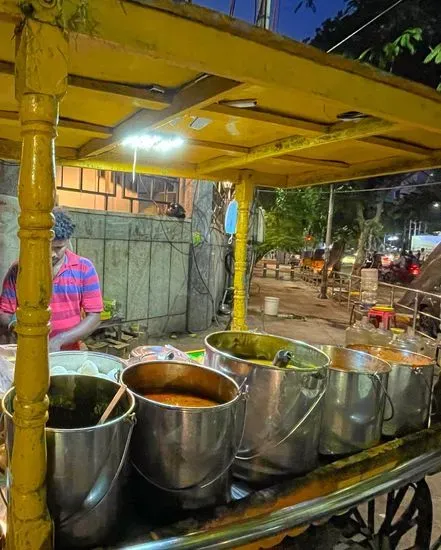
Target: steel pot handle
x=419, y=372
x=202, y=484
x=266, y=448
x=91, y=501
x=388, y=397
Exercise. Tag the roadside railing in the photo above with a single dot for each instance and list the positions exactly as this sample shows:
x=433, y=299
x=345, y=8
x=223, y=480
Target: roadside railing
x=345, y=289
x=266, y=268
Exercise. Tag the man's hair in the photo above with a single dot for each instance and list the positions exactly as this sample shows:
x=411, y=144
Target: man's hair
x=64, y=226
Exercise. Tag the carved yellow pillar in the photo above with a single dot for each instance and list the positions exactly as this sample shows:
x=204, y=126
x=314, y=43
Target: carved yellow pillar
x=244, y=197
x=40, y=82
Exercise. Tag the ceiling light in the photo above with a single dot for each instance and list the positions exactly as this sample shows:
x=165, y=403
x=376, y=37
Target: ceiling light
x=199, y=122
x=154, y=142
x=240, y=103
x=351, y=116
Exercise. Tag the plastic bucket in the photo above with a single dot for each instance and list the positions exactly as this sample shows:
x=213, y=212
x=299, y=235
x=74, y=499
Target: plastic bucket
x=271, y=306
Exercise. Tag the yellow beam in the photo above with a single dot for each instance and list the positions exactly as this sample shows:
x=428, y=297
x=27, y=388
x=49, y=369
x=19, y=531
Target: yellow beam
x=96, y=129
x=145, y=97
x=11, y=150
x=337, y=132
x=194, y=96
x=367, y=170
x=284, y=120
x=261, y=115
x=220, y=45
x=237, y=149
x=244, y=197
x=398, y=145
x=178, y=170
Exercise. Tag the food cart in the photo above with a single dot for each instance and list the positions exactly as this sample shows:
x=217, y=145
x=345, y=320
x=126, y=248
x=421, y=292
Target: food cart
x=88, y=83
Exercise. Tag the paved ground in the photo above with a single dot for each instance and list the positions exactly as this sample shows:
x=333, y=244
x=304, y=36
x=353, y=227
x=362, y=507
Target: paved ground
x=314, y=321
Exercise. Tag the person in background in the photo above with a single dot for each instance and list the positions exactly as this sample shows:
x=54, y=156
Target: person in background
x=76, y=301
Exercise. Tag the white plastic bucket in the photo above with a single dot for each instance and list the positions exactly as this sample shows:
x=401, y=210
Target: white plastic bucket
x=271, y=306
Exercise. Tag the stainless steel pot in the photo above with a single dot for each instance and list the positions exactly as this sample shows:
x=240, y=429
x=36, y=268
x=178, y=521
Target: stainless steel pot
x=354, y=402
x=284, y=405
x=410, y=388
x=85, y=477
x=179, y=449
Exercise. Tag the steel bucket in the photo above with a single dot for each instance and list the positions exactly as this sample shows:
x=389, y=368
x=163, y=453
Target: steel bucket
x=410, y=387
x=284, y=405
x=354, y=403
x=185, y=452
x=86, y=474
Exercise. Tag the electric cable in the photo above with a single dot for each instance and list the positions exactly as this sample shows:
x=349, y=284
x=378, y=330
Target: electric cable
x=365, y=25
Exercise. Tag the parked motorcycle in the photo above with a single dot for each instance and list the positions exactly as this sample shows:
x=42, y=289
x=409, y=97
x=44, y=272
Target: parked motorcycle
x=397, y=274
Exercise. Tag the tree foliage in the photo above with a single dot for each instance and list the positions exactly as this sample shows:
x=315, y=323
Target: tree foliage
x=405, y=41
x=292, y=216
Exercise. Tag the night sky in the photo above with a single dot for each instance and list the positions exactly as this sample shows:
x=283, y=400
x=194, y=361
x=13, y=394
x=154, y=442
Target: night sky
x=298, y=25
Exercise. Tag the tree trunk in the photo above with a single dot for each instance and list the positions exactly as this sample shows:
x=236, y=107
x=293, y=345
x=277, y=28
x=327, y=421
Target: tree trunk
x=366, y=227
x=337, y=252
x=361, y=249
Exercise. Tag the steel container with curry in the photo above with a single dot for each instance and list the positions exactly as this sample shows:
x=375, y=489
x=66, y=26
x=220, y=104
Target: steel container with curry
x=409, y=386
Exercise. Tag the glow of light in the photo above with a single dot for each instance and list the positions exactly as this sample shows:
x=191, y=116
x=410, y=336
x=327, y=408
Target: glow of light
x=436, y=205
x=153, y=142
x=393, y=238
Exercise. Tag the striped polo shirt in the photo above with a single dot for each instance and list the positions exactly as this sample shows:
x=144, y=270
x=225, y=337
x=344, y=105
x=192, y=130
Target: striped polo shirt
x=76, y=288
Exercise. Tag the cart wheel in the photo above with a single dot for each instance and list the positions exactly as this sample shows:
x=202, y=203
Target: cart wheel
x=402, y=516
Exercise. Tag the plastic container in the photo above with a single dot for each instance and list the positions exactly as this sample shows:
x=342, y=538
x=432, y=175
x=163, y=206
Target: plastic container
x=271, y=306
x=380, y=336
x=409, y=341
x=359, y=333
x=369, y=286
x=430, y=348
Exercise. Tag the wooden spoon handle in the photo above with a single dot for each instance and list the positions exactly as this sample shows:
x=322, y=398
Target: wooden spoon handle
x=112, y=404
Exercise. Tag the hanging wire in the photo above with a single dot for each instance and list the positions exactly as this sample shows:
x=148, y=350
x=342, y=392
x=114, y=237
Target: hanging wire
x=372, y=190
x=365, y=25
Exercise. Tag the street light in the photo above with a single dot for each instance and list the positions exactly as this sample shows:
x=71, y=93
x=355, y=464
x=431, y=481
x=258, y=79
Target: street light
x=436, y=205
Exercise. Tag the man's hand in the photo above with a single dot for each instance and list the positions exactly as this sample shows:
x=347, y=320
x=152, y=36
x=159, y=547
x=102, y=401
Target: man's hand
x=55, y=343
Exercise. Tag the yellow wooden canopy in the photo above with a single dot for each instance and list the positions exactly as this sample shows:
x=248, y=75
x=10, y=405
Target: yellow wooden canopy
x=155, y=66
x=114, y=69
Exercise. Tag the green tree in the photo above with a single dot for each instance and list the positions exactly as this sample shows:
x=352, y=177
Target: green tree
x=291, y=215
x=405, y=41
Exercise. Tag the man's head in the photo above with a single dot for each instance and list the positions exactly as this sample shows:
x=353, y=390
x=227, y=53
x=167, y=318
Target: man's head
x=63, y=229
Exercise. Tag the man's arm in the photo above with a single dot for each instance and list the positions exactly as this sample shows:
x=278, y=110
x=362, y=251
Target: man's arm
x=5, y=321
x=8, y=300
x=80, y=332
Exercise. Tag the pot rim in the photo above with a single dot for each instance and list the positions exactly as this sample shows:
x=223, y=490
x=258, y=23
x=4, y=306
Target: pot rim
x=220, y=406
x=407, y=353
x=87, y=428
x=386, y=367
x=272, y=367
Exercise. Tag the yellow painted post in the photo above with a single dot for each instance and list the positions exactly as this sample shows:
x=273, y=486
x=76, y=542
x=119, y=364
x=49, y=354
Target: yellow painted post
x=41, y=76
x=244, y=197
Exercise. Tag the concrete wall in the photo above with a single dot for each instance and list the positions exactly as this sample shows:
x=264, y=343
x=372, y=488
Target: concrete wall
x=142, y=262
x=166, y=274
x=207, y=271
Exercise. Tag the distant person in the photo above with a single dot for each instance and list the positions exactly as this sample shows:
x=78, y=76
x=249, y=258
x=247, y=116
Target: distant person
x=76, y=301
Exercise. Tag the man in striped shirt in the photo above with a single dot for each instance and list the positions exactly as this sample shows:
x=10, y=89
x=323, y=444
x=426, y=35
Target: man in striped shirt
x=76, y=301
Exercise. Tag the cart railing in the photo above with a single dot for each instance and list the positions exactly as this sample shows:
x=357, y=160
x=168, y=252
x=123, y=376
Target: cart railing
x=304, y=513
